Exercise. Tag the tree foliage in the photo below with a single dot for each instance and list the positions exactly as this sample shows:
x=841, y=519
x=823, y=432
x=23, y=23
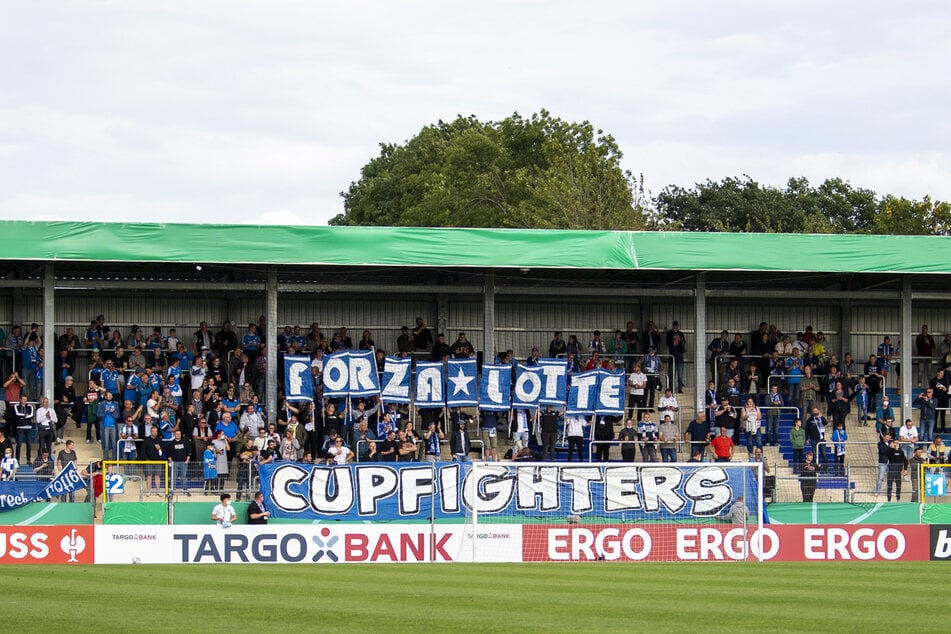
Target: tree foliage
x=538, y=172
x=835, y=206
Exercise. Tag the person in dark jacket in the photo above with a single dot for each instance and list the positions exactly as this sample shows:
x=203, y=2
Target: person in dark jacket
x=897, y=467
x=628, y=438
x=809, y=477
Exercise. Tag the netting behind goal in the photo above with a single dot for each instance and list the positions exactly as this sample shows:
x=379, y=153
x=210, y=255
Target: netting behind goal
x=618, y=511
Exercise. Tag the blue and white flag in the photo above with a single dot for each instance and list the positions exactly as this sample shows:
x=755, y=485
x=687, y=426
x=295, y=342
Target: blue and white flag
x=16, y=494
x=496, y=388
x=397, y=373
x=461, y=383
x=351, y=373
x=528, y=387
x=610, y=401
x=583, y=393
x=364, y=381
x=430, y=385
x=554, y=374
x=337, y=375
x=298, y=384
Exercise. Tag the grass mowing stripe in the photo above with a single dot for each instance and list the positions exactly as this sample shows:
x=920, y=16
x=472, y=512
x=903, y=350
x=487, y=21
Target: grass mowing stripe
x=604, y=597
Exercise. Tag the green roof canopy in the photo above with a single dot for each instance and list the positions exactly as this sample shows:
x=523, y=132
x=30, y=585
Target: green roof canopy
x=502, y=248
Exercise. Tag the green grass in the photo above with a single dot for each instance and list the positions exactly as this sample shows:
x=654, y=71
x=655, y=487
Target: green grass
x=601, y=597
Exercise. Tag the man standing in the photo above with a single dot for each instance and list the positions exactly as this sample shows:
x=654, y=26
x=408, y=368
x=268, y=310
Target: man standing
x=928, y=410
x=627, y=438
x=698, y=434
x=64, y=402
x=908, y=438
x=63, y=459
x=257, y=512
x=897, y=468
x=180, y=455
x=816, y=431
x=23, y=415
x=575, y=430
x=722, y=447
x=939, y=386
x=669, y=437
x=884, y=443
x=459, y=442
x=808, y=477
x=45, y=424
x=461, y=349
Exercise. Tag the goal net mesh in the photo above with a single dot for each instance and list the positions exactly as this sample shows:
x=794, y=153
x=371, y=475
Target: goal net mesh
x=612, y=511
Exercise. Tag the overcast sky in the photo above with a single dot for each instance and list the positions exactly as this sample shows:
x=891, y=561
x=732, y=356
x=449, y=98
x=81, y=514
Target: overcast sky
x=263, y=112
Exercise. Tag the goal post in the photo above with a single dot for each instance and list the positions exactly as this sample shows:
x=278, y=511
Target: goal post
x=617, y=511
x=931, y=482
x=147, y=477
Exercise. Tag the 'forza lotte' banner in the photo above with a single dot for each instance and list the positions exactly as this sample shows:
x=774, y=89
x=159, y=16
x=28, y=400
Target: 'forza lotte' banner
x=307, y=544
x=654, y=542
x=600, y=493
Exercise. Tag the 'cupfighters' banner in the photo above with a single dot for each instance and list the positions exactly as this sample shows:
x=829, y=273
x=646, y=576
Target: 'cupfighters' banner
x=16, y=494
x=392, y=491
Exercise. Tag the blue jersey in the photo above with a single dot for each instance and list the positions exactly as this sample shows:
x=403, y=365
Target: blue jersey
x=107, y=413
x=251, y=342
x=210, y=463
x=110, y=380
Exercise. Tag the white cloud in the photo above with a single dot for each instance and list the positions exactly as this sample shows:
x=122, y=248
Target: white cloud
x=264, y=112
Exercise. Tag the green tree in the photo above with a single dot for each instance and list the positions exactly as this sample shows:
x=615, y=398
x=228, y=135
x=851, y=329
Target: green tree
x=519, y=172
x=900, y=216
x=835, y=206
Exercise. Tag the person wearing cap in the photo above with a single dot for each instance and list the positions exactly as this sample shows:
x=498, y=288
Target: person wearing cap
x=461, y=348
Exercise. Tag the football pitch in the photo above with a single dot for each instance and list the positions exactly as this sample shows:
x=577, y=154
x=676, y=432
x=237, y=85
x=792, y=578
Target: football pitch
x=591, y=597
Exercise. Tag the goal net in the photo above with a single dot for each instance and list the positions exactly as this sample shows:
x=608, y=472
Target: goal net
x=618, y=511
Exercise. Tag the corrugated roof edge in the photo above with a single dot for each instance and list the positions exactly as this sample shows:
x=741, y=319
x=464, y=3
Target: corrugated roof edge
x=471, y=247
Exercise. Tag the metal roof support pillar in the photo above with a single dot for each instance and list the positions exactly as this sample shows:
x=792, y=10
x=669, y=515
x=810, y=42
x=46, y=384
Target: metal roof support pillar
x=699, y=341
x=845, y=331
x=906, y=341
x=442, y=317
x=50, y=359
x=488, y=319
x=272, y=344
